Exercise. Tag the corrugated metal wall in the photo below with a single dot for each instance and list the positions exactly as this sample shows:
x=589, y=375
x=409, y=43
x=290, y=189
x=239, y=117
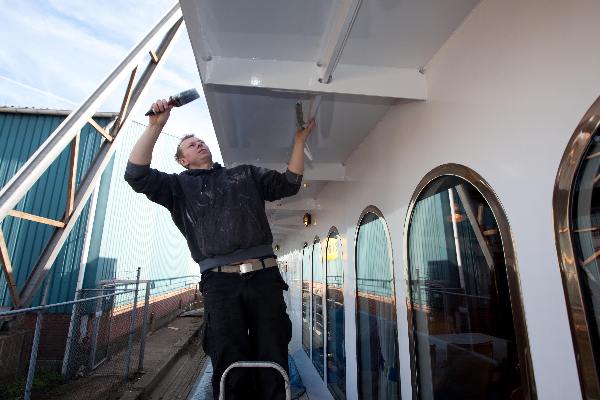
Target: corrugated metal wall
x=129, y=230
x=20, y=136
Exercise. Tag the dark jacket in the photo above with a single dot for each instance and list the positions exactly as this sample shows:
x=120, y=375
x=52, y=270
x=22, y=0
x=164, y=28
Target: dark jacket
x=221, y=211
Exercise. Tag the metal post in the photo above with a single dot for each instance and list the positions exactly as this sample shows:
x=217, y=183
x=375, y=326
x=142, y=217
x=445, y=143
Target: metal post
x=110, y=320
x=65, y=364
x=144, y=328
x=94, y=346
x=36, y=343
x=132, y=324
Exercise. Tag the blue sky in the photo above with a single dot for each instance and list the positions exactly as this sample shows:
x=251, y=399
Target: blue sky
x=56, y=52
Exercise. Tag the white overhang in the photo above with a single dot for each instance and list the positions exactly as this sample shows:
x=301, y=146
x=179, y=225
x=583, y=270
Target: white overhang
x=258, y=59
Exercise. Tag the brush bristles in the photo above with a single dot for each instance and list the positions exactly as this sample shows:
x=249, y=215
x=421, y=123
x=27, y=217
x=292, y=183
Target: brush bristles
x=184, y=97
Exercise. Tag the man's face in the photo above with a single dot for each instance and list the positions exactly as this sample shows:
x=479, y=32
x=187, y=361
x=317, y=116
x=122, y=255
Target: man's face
x=195, y=154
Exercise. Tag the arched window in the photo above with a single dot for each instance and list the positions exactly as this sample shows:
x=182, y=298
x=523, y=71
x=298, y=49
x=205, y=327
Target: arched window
x=318, y=352
x=577, y=230
x=468, y=335
x=306, y=295
x=334, y=300
x=376, y=326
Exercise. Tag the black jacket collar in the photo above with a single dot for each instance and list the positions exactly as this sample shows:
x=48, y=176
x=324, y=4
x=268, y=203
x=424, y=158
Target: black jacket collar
x=196, y=172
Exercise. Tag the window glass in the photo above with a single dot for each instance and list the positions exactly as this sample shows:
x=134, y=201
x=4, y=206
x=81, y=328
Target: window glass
x=463, y=326
x=306, y=294
x=377, y=332
x=586, y=236
x=336, y=343
x=318, y=353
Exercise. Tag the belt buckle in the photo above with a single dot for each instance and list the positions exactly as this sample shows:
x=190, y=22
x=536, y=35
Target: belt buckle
x=246, y=267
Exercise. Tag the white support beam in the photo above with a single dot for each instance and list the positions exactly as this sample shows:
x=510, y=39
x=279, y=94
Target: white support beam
x=37, y=164
x=103, y=156
x=340, y=25
x=294, y=203
x=314, y=172
x=301, y=76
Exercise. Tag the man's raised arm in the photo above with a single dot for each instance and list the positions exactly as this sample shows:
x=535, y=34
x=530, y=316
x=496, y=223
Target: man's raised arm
x=141, y=154
x=296, y=164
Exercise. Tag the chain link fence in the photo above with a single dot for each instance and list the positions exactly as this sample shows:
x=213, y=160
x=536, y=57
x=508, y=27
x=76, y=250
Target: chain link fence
x=89, y=347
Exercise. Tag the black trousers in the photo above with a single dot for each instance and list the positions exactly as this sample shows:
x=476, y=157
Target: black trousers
x=246, y=320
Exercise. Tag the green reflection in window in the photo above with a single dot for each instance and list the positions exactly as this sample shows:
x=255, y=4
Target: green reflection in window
x=306, y=294
x=336, y=354
x=318, y=351
x=377, y=331
x=464, y=335
x=586, y=236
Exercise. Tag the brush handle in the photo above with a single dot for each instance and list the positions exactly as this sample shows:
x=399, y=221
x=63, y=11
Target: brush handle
x=151, y=111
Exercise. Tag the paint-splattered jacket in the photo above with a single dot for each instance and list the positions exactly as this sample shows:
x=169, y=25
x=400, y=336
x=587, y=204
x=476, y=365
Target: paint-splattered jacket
x=221, y=211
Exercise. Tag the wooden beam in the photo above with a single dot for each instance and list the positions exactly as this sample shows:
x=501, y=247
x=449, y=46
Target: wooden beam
x=8, y=273
x=35, y=218
x=480, y=214
x=100, y=129
x=490, y=232
x=92, y=177
x=468, y=206
x=591, y=258
x=582, y=230
x=72, y=177
x=593, y=155
x=154, y=57
x=127, y=98
x=18, y=186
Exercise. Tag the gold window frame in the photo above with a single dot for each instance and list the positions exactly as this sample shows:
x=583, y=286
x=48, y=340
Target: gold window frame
x=512, y=271
x=570, y=163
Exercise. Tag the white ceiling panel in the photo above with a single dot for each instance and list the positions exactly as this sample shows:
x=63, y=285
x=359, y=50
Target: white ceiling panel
x=402, y=33
x=258, y=125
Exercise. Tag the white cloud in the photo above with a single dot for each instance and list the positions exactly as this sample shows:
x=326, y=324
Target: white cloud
x=59, y=51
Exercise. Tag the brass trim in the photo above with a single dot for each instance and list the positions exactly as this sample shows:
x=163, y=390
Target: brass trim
x=562, y=204
x=374, y=210
x=331, y=230
x=512, y=271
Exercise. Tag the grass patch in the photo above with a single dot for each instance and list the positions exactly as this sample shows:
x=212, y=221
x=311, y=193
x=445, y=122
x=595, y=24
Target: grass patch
x=43, y=381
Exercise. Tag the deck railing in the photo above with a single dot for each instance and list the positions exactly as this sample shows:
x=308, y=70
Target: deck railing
x=109, y=322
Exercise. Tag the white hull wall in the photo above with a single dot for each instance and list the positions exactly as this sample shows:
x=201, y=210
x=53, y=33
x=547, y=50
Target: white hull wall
x=505, y=94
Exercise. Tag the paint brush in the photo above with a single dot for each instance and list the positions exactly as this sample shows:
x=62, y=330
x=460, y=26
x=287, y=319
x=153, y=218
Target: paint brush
x=180, y=99
x=312, y=113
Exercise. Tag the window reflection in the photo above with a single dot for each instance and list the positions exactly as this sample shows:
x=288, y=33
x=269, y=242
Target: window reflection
x=306, y=294
x=318, y=353
x=464, y=335
x=336, y=354
x=586, y=237
x=377, y=332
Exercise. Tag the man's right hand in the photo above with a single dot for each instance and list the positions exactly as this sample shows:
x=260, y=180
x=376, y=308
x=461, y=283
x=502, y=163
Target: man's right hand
x=162, y=110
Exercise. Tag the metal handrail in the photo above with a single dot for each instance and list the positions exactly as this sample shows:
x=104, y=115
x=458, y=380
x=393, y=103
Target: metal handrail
x=65, y=303
x=256, y=364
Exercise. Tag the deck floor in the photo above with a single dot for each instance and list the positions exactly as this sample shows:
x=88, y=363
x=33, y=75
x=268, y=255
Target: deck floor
x=182, y=377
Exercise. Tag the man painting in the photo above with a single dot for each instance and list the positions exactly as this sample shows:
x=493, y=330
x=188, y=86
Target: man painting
x=221, y=213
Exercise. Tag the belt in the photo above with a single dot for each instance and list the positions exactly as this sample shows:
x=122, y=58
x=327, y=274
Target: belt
x=246, y=266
